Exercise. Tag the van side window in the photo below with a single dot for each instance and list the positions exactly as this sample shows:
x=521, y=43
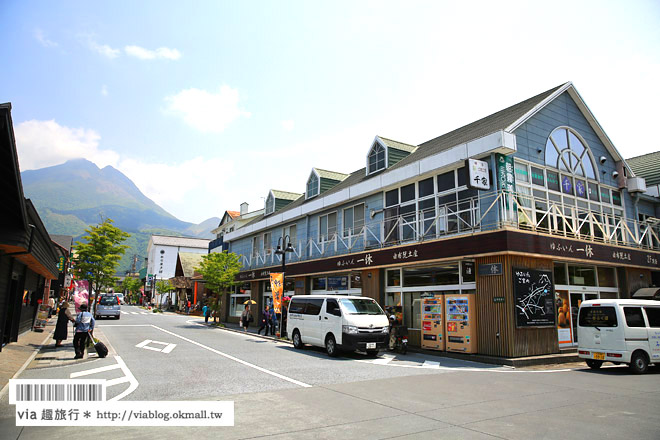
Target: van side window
x=332, y=308
x=597, y=317
x=297, y=306
x=634, y=317
x=313, y=306
x=653, y=315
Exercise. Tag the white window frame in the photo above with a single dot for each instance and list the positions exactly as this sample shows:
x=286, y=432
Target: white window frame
x=267, y=242
x=352, y=230
x=313, y=174
x=386, y=154
x=326, y=237
x=293, y=237
x=233, y=298
x=269, y=209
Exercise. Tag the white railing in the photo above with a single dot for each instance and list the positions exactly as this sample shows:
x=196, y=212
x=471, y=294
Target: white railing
x=488, y=212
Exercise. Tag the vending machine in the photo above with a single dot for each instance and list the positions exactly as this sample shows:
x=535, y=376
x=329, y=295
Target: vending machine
x=460, y=323
x=433, y=337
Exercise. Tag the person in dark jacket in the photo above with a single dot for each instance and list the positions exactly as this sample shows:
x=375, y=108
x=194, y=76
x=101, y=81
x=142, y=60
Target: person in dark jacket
x=266, y=321
x=246, y=317
x=84, y=328
x=63, y=318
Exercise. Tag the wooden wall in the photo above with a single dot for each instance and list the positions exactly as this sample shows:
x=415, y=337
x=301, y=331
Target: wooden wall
x=371, y=285
x=494, y=318
x=635, y=279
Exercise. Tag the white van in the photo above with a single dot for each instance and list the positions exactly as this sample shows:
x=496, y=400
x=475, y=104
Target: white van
x=338, y=322
x=620, y=331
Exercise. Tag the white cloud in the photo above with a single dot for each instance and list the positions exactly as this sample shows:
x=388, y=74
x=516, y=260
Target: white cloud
x=146, y=54
x=41, y=38
x=207, y=111
x=288, y=125
x=45, y=143
x=104, y=49
x=104, y=90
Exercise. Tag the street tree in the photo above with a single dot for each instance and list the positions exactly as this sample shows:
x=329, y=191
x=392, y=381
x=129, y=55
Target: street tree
x=219, y=269
x=162, y=287
x=133, y=286
x=96, y=258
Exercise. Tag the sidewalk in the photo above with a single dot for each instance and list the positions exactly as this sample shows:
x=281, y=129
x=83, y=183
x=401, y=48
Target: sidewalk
x=37, y=350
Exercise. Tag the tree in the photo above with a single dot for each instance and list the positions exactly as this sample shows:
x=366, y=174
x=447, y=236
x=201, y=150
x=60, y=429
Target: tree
x=163, y=286
x=219, y=269
x=97, y=259
x=133, y=286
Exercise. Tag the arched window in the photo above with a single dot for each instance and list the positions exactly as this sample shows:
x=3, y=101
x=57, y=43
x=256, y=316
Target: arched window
x=312, y=185
x=566, y=150
x=270, y=204
x=376, y=159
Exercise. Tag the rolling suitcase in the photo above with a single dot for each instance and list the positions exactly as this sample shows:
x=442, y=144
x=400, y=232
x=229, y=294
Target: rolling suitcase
x=99, y=346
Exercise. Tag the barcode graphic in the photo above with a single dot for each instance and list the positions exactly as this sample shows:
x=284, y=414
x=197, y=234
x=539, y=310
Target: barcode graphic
x=59, y=392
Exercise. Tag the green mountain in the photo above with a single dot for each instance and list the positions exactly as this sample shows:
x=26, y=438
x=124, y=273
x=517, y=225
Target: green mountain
x=75, y=194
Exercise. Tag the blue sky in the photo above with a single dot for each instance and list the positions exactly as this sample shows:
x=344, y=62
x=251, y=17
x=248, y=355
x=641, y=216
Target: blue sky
x=205, y=105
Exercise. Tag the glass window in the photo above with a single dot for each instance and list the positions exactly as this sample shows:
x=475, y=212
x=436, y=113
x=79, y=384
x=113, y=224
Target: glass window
x=327, y=226
x=313, y=306
x=376, y=158
x=468, y=271
x=318, y=283
x=412, y=310
x=431, y=276
x=605, y=195
x=521, y=172
x=553, y=180
x=566, y=185
x=564, y=150
x=616, y=198
x=462, y=176
x=394, y=278
x=392, y=197
x=653, y=315
x=597, y=317
x=362, y=306
x=297, y=305
x=560, y=273
x=593, y=191
x=581, y=275
x=580, y=188
x=393, y=305
x=270, y=204
x=356, y=280
x=634, y=317
x=408, y=193
x=537, y=176
x=425, y=187
x=312, y=186
x=551, y=154
x=236, y=305
x=446, y=181
x=108, y=300
x=606, y=277
x=332, y=308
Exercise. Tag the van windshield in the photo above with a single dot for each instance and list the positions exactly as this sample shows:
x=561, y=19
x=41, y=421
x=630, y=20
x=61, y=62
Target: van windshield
x=361, y=306
x=597, y=317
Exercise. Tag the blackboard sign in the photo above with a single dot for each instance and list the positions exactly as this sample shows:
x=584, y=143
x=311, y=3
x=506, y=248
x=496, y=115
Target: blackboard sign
x=534, y=298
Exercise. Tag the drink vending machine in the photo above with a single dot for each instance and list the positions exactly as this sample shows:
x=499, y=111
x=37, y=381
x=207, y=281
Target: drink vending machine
x=433, y=337
x=460, y=319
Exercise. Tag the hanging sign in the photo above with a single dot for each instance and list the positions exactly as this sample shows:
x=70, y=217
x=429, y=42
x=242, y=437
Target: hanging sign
x=276, y=287
x=478, y=177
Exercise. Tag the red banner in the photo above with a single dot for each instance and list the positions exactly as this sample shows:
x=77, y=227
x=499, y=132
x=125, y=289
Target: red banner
x=276, y=287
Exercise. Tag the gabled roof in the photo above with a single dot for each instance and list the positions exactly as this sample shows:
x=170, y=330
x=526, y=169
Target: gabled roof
x=332, y=175
x=646, y=166
x=189, y=262
x=233, y=214
x=165, y=240
x=398, y=145
x=285, y=195
x=64, y=241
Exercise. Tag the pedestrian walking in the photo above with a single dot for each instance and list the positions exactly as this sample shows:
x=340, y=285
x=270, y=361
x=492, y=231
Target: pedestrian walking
x=266, y=321
x=246, y=317
x=84, y=326
x=51, y=306
x=274, y=329
x=205, y=312
x=63, y=318
x=188, y=308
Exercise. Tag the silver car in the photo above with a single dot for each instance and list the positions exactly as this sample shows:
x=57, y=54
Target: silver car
x=108, y=305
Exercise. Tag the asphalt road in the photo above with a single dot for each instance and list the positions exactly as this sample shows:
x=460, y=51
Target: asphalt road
x=280, y=392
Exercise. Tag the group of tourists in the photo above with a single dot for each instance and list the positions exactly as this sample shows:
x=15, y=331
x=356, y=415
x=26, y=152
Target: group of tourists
x=83, y=325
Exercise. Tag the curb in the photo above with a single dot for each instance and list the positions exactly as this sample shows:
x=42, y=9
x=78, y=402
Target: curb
x=267, y=338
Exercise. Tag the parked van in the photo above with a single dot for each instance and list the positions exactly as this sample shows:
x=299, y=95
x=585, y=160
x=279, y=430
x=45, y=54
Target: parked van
x=338, y=322
x=620, y=331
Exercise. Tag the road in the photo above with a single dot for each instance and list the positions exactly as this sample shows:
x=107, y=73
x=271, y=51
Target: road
x=280, y=392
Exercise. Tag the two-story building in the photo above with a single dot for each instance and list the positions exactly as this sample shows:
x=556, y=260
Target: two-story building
x=549, y=215
x=231, y=221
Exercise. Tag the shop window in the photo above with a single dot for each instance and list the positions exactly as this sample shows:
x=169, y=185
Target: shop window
x=560, y=273
x=431, y=276
x=393, y=305
x=581, y=275
x=236, y=305
x=412, y=310
x=634, y=317
x=356, y=281
x=606, y=277
x=468, y=271
x=394, y=278
x=318, y=283
x=337, y=283
x=653, y=315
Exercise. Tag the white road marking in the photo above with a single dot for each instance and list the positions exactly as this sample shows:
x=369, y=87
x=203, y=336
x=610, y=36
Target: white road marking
x=117, y=381
x=135, y=313
x=94, y=371
x=386, y=359
x=235, y=359
x=134, y=383
x=125, y=313
x=143, y=343
x=166, y=349
x=431, y=364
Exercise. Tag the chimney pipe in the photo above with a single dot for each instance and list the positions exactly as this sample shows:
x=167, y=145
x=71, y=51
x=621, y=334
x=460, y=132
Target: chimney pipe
x=244, y=208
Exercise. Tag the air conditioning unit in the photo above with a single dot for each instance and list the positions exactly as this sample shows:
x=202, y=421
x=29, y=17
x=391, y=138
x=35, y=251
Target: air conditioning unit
x=636, y=184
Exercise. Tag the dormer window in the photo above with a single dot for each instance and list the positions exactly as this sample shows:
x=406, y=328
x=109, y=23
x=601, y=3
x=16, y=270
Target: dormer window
x=312, y=186
x=376, y=159
x=270, y=204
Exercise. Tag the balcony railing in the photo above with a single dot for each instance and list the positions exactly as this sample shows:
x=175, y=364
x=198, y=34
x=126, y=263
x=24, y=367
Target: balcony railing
x=488, y=212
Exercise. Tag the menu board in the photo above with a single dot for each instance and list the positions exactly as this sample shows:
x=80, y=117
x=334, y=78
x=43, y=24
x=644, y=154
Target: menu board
x=534, y=298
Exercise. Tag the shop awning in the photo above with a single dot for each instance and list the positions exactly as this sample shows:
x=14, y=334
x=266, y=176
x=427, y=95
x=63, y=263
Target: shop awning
x=647, y=293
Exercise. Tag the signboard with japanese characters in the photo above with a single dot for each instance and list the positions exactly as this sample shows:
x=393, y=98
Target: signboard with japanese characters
x=505, y=174
x=478, y=176
x=534, y=298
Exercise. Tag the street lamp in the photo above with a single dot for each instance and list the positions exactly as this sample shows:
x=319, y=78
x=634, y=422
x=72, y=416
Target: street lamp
x=286, y=242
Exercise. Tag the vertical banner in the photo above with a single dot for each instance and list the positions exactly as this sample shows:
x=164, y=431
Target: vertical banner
x=506, y=180
x=81, y=294
x=276, y=287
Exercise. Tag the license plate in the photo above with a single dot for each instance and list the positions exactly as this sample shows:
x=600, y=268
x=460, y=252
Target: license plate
x=599, y=356
x=371, y=345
